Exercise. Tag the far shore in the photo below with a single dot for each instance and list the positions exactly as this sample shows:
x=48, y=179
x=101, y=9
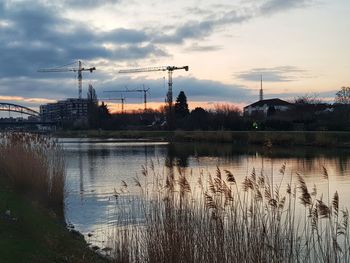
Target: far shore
x=265, y=138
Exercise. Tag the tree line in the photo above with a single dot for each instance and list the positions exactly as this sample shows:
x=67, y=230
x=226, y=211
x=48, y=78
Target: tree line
x=307, y=113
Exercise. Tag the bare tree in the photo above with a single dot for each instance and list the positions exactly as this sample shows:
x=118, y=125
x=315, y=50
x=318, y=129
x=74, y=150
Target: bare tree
x=343, y=96
x=227, y=109
x=310, y=98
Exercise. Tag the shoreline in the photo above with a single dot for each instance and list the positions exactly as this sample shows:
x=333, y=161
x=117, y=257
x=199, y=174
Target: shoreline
x=264, y=138
x=37, y=232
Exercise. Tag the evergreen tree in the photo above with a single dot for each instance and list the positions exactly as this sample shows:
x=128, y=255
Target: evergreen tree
x=103, y=112
x=181, y=106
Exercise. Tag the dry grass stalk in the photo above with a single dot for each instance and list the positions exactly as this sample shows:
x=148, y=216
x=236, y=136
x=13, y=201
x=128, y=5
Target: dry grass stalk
x=212, y=222
x=35, y=165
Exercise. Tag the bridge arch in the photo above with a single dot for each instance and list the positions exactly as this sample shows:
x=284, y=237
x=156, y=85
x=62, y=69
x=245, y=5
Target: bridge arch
x=18, y=108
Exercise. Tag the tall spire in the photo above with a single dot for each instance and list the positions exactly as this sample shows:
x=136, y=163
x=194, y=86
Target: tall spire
x=261, y=95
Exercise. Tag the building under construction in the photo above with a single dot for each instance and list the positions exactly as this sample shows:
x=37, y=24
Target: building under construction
x=65, y=110
x=69, y=110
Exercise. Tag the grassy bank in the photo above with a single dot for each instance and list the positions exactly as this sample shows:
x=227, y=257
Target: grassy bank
x=31, y=233
x=269, y=138
x=32, y=179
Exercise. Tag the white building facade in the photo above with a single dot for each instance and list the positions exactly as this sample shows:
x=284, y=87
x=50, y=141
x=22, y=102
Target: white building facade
x=263, y=107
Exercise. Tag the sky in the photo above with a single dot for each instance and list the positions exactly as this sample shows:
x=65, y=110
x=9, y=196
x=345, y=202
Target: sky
x=298, y=46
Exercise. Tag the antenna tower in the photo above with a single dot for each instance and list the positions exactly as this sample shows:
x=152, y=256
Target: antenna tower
x=261, y=94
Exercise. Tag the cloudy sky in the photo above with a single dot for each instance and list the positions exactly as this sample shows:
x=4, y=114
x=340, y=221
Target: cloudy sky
x=299, y=46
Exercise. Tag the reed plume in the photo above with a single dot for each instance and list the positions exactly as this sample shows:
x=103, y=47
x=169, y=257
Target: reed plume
x=206, y=220
x=34, y=165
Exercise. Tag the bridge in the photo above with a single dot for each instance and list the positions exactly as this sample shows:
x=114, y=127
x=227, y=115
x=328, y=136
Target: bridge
x=10, y=107
x=23, y=124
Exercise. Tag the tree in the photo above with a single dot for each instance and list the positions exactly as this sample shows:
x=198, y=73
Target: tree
x=92, y=107
x=199, y=119
x=343, y=96
x=91, y=95
x=98, y=115
x=181, y=106
x=103, y=112
x=307, y=99
x=226, y=116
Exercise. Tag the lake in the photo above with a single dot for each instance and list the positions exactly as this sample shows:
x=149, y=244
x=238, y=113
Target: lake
x=96, y=169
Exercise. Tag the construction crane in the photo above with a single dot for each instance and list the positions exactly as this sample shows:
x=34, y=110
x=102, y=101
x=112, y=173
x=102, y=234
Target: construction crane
x=78, y=69
x=122, y=99
x=144, y=90
x=170, y=69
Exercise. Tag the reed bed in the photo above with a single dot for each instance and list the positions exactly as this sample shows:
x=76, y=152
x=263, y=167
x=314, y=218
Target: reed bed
x=214, y=218
x=35, y=166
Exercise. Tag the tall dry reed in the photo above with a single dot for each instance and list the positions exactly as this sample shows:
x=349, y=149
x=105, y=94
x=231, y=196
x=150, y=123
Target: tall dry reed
x=213, y=218
x=34, y=164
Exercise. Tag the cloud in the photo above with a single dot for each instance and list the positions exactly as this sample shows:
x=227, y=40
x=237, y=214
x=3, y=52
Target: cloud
x=195, y=89
x=40, y=88
x=23, y=99
x=195, y=47
x=324, y=96
x=211, y=90
x=211, y=21
x=275, y=74
x=37, y=36
x=274, y=6
x=190, y=30
x=198, y=11
x=201, y=29
x=84, y=4
x=122, y=35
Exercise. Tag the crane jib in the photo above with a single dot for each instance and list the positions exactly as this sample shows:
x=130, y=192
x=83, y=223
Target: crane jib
x=79, y=69
x=149, y=69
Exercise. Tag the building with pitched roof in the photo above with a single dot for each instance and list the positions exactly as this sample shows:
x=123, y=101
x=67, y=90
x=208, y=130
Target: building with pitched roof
x=264, y=107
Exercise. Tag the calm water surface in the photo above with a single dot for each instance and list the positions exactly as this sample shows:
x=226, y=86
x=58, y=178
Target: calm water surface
x=96, y=167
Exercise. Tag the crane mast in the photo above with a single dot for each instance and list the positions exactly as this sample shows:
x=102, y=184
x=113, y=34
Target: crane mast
x=169, y=95
x=79, y=70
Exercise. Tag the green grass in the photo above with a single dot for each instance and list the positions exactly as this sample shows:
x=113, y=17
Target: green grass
x=37, y=235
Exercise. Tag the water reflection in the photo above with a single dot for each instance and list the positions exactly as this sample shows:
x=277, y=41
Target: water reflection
x=95, y=171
